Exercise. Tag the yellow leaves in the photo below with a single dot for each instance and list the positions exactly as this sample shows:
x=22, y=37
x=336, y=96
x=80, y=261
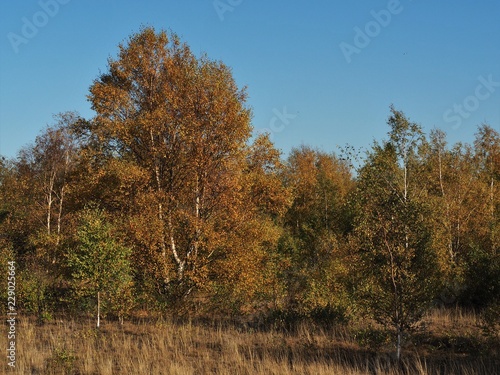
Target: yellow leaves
x=263, y=178
x=131, y=177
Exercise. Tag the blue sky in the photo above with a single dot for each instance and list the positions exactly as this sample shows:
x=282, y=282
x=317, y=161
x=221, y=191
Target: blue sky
x=321, y=73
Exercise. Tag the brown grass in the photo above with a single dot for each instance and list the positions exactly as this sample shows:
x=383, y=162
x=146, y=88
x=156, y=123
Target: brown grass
x=452, y=344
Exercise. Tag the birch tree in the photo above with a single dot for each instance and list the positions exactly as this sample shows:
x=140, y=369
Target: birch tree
x=100, y=265
x=461, y=187
x=51, y=159
x=182, y=121
x=398, y=265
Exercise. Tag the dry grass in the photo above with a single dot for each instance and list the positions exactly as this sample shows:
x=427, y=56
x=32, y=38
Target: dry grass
x=214, y=348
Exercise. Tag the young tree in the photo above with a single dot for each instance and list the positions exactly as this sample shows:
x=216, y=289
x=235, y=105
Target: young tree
x=487, y=150
x=100, y=265
x=483, y=256
x=457, y=195
x=315, y=225
x=50, y=160
x=398, y=266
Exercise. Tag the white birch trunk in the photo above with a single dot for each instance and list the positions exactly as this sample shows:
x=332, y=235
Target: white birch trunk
x=98, y=309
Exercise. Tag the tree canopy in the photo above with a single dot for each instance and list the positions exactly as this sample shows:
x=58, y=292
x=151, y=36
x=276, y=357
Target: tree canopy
x=197, y=215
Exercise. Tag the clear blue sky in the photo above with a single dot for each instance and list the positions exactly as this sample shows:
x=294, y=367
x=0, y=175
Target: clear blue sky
x=424, y=56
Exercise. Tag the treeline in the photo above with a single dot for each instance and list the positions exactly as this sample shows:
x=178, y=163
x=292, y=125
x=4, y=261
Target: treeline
x=164, y=202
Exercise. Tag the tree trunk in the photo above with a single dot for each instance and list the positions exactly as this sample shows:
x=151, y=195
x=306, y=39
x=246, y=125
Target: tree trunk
x=159, y=190
x=50, y=200
x=59, y=216
x=98, y=309
x=49, y=208
x=492, y=198
x=398, y=346
x=198, y=218
x=180, y=263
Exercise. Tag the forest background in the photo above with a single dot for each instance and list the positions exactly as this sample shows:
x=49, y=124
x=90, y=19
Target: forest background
x=165, y=203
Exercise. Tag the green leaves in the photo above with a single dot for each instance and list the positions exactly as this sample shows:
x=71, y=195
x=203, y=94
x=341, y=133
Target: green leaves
x=398, y=272
x=98, y=262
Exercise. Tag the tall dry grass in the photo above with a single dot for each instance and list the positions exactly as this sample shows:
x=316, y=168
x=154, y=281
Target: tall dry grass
x=165, y=347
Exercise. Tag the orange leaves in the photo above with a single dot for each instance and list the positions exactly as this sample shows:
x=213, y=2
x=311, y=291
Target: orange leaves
x=264, y=178
x=179, y=126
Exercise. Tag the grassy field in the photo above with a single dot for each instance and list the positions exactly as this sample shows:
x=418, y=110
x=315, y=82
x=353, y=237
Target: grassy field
x=451, y=343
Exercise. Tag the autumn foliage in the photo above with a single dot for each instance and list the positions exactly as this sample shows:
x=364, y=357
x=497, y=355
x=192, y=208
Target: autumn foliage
x=191, y=214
